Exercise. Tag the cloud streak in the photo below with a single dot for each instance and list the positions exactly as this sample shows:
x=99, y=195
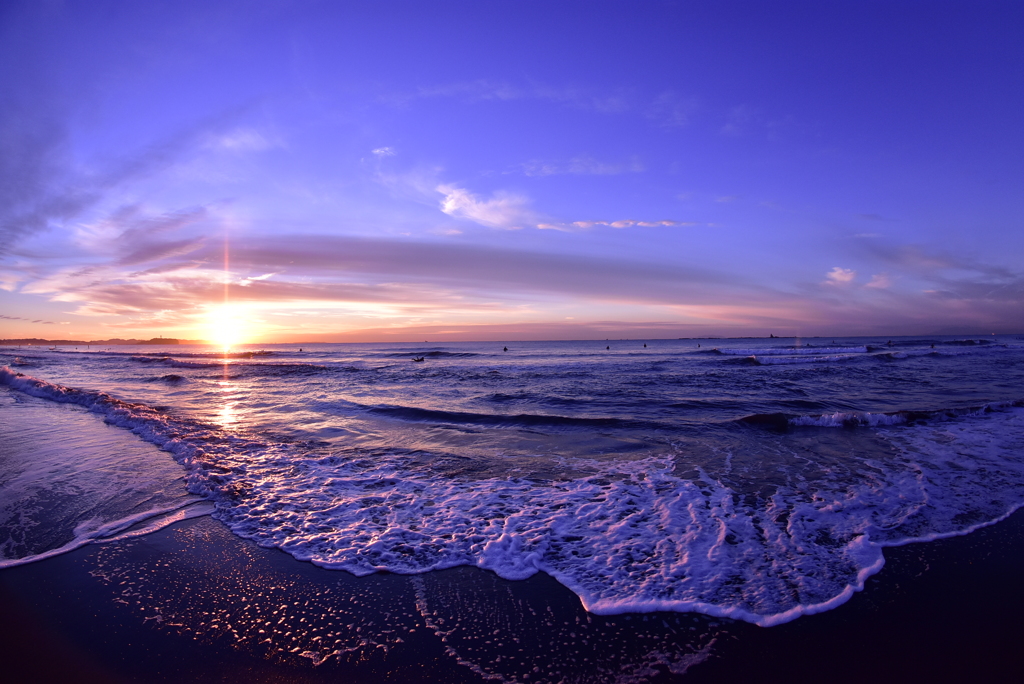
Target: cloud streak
x=39, y=190
x=579, y=166
x=502, y=210
x=841, y=277
x=404, y=275
x=576, y=226
x=671, y=110
x=483, y=90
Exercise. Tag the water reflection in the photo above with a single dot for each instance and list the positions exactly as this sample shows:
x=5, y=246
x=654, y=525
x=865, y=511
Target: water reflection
x=227, y=415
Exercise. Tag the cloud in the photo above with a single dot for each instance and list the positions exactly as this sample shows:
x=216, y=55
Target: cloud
x=384, y=152
x=399, y=274
x=670, y=110
x=502, y=210
x=957, y=285
x=483, y=90
x=408, y=280
x=482, y=269
x=40, y=187
x=579, y=166
x=738, y=121
x=243, y=140
x=840, y=276
x=36, y=187
x=135, y=236
x=628, y=223
x=935, y=264
x=19, y=318
x=880, y=281
x=246, y=282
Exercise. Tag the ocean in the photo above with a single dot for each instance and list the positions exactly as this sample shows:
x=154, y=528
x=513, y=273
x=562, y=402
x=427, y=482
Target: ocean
x=747, y=479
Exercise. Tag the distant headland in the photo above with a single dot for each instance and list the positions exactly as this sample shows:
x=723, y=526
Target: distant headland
x=33, y=341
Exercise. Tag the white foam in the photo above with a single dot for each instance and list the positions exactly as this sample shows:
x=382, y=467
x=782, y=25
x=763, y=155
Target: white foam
x=635, y=536
x=73, y=481
x=845, y=419
x=646, y=540
x=792, y=351
x=96, y=531
x=787, y=360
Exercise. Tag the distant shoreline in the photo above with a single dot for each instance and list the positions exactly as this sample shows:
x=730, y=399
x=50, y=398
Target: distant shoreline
x=39, y=342
x=32, y=341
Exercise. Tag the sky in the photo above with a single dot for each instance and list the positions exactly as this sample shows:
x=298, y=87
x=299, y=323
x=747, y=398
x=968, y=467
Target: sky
x=491, y=170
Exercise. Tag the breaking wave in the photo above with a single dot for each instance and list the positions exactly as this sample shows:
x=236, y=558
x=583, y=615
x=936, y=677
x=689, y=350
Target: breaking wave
x=624, y=535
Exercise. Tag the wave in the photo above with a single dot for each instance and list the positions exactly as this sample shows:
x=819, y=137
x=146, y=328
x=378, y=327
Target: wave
x=283, y=369
x=787, y=361
x=184, y=354
x=933, y=344
x=94, y=532
x=626, y=535
x=868, y=419
x=742, y=361
x=175, y=363
x=265, y=368
x=808, y=356
x=434, y=354
x=790, y=351
x=412, y=413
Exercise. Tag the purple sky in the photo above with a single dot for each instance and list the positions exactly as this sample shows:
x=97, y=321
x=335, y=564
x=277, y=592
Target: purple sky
x=510, y=170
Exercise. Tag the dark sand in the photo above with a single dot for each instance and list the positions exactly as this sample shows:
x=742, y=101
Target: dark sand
x=194, y=603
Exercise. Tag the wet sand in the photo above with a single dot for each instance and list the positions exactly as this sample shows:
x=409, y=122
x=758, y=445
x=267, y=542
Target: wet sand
x=194, y=603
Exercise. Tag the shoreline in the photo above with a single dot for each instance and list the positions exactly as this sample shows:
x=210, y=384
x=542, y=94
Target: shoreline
x=188, y=603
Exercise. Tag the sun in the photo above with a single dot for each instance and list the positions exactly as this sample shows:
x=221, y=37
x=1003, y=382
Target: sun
x=227, y=326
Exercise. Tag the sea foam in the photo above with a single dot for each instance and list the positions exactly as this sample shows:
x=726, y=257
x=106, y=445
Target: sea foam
x=629, y=535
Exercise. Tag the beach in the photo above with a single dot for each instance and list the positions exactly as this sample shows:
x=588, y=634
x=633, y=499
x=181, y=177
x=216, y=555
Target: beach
x=557, y=513
x=145, y=610
x=506, y=342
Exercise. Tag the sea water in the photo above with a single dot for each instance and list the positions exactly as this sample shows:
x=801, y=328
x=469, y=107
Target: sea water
x=754, y=479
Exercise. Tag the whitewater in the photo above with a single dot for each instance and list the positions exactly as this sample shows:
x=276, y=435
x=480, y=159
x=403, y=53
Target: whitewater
x=754, y=479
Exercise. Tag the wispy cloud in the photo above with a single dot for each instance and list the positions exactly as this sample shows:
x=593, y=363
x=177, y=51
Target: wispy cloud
x=36, y=187
x=484, y=90
x=243, y=140
x=416, y=274
x=40, y=187
x=405, y=279
x=671, y=110
x=501, y=210
x=136, y=237
x=880, y=281
x=20, y=318
x=933, y=263
x=626, y=223
x=579, y=166
x=738, y=121
x=840, y=276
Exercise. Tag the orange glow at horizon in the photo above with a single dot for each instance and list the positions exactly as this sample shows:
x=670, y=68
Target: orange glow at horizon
x=227, y=326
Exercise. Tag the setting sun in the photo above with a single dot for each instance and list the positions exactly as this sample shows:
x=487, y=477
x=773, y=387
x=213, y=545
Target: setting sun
x=227, y=326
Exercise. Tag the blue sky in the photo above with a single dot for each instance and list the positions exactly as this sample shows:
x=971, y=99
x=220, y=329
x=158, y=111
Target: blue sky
x=510, y=170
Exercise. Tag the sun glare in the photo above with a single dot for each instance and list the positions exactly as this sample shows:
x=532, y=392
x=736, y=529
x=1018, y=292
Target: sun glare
x=227, y=326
